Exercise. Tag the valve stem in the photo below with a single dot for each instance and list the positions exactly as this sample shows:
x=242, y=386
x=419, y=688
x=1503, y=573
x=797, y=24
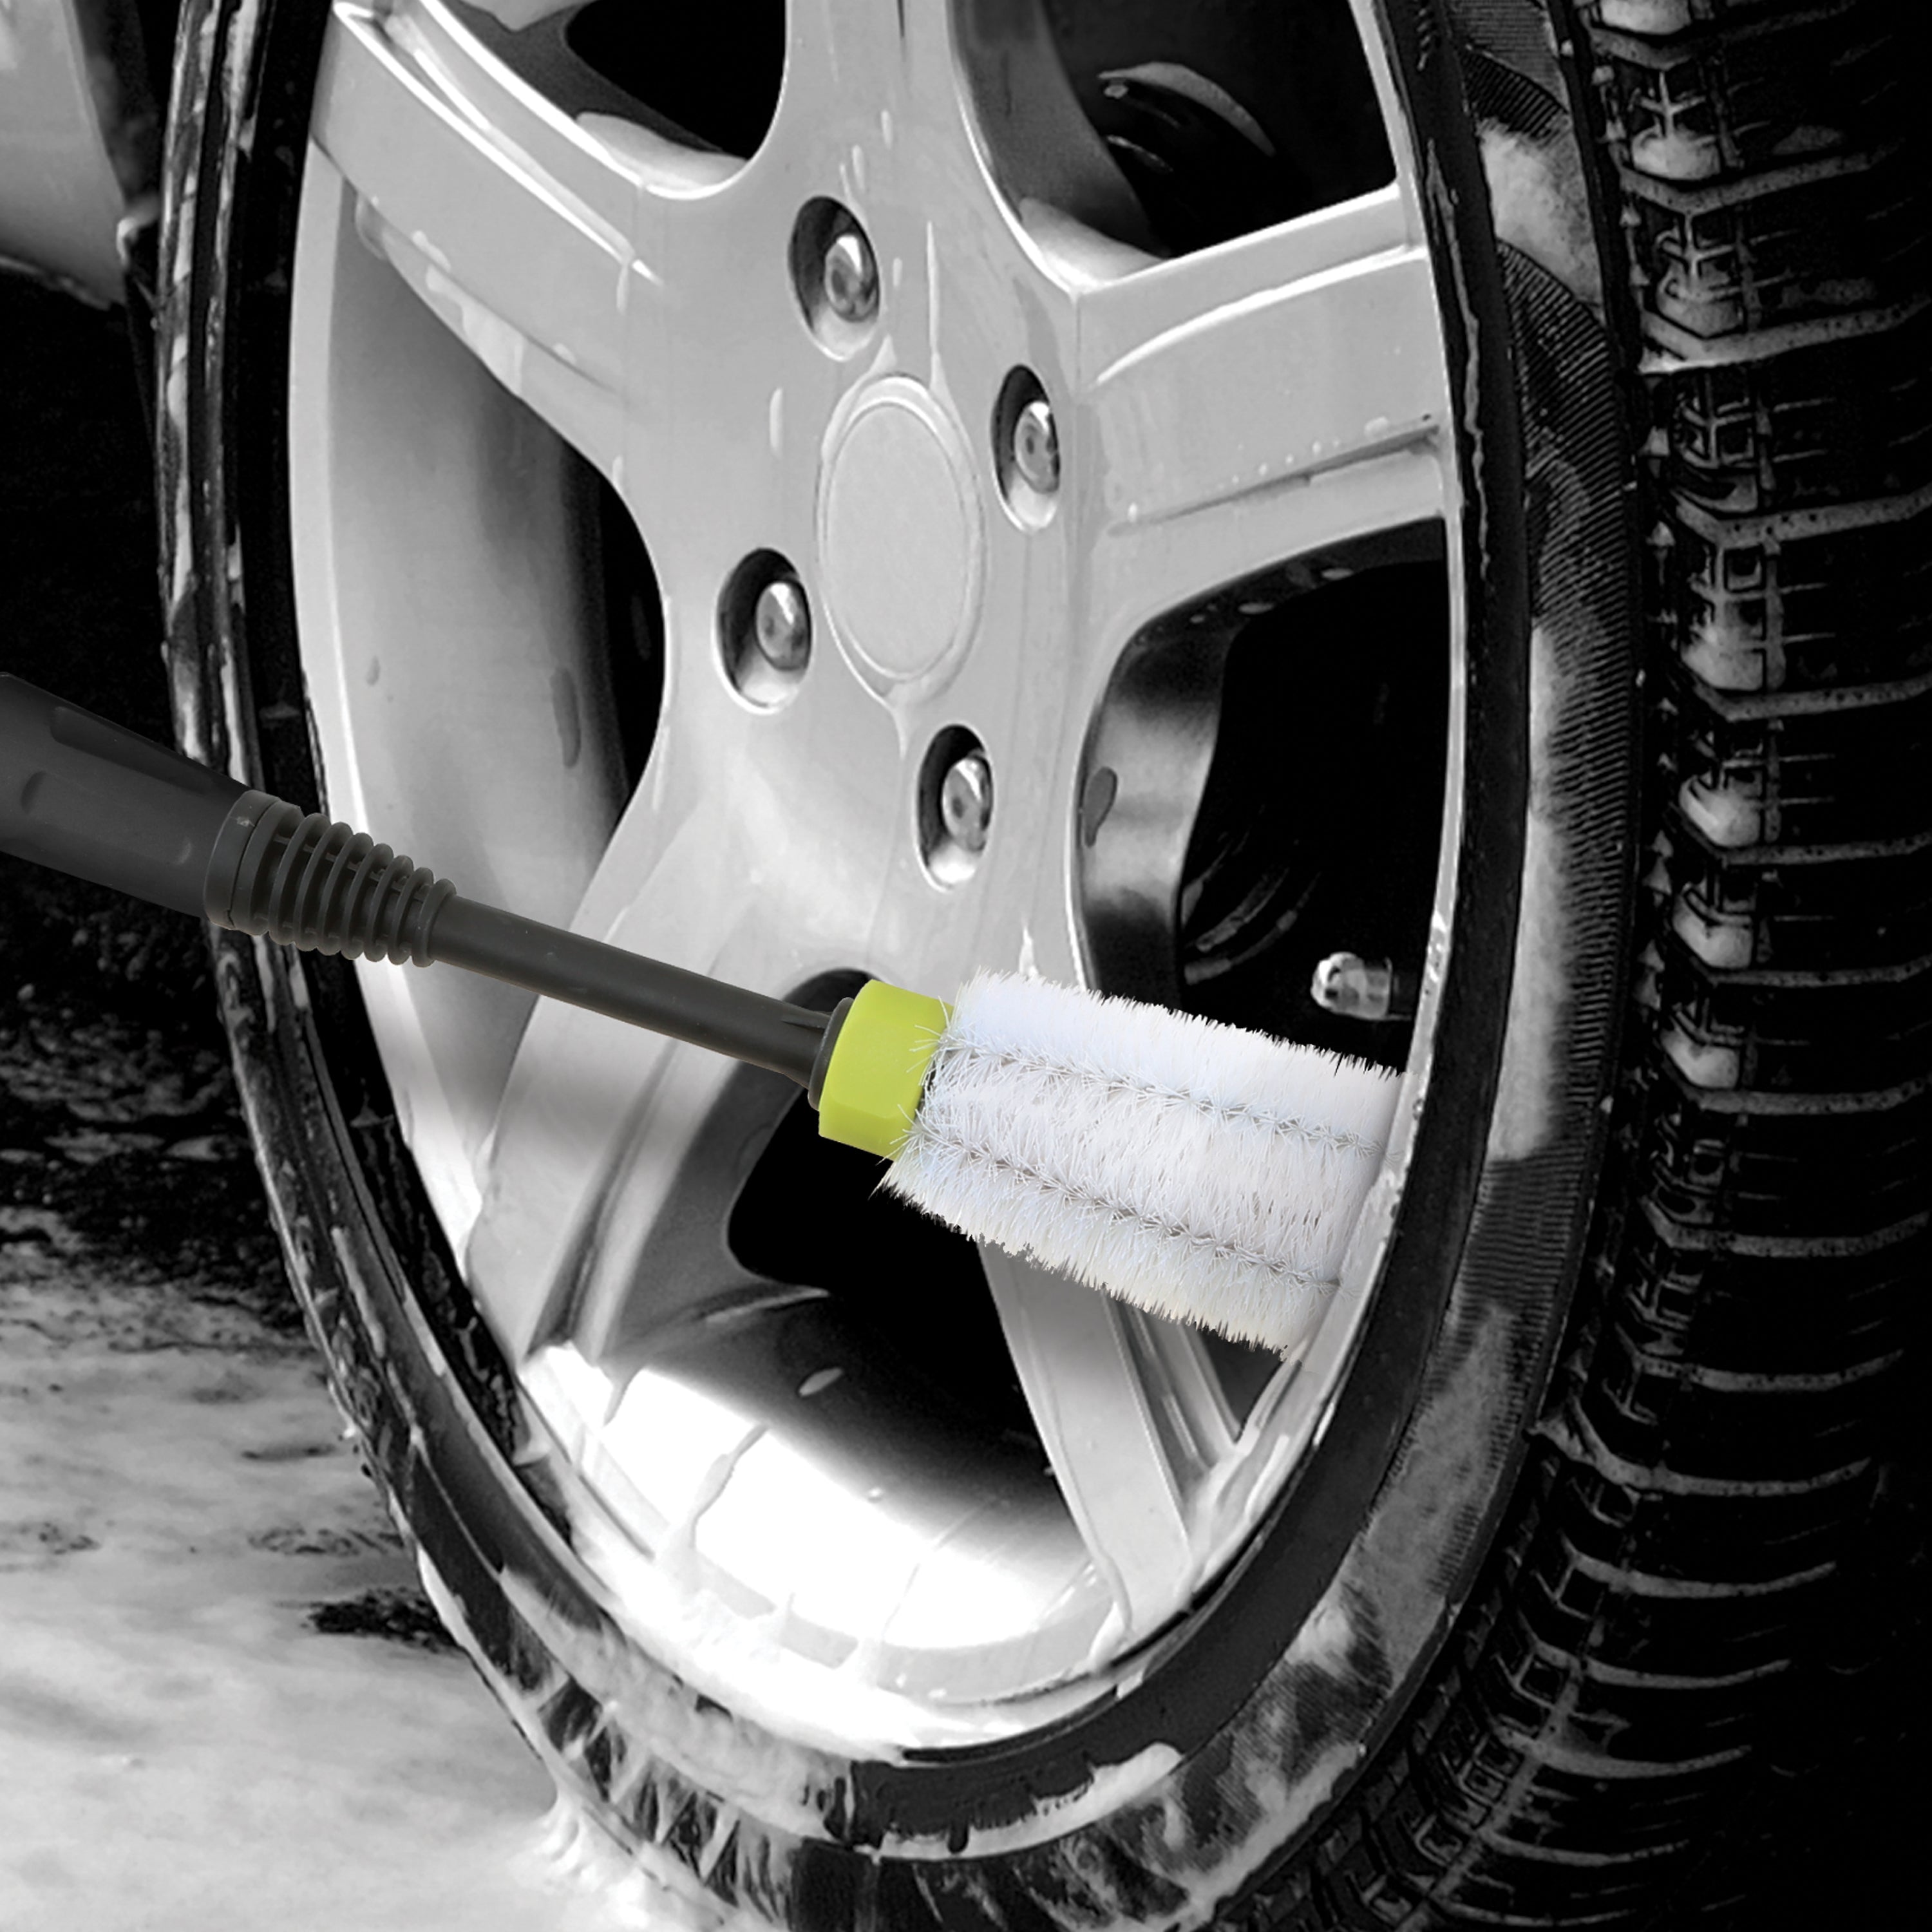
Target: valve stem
x=1363, y=989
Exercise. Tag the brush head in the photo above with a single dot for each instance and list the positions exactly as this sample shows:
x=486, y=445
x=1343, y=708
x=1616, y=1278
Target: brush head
x=1203, y=1173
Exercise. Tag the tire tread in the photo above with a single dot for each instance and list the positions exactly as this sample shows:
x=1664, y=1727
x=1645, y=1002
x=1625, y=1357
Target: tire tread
x=1726, y=1422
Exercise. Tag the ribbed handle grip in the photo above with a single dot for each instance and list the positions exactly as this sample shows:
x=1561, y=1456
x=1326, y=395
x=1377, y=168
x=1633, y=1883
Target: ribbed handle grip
x=87, y=798
x=306, y=882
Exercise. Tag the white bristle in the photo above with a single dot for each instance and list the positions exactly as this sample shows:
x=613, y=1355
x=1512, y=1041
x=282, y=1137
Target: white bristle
x=1200, y=1171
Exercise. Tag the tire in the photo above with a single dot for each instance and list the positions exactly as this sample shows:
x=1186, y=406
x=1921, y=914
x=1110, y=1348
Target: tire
x=1616, y=1486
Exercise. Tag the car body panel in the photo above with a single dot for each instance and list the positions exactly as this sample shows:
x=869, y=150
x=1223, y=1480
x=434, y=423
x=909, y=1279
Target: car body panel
x=79, y=139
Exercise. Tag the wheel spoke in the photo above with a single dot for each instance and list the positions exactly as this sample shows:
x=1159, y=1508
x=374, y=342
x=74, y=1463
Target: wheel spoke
x=1129, y=1406
x=593, y=1126
x=711, y=868
x=1258, y=401
x=1100, y=1420
x=1126, y=1405
x=585, y=269
x=471, y=202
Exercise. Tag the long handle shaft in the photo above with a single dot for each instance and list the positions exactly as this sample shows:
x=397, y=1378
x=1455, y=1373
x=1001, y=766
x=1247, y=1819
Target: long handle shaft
x=665, y=999
x=88, y=798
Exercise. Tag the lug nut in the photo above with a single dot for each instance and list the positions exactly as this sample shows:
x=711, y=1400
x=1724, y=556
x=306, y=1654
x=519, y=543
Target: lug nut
x=851, y=277
x=1036, y=447
x=966, y=801
x=782, y=625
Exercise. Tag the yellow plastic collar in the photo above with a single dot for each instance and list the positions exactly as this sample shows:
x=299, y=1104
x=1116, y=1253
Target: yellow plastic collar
x=878, y=1067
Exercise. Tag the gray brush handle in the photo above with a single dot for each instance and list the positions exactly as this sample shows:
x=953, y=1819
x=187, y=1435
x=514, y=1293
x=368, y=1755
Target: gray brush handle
x=90, y=799
x=93, y=800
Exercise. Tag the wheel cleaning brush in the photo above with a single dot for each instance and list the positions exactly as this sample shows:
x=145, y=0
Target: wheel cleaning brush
x=1201, y=1172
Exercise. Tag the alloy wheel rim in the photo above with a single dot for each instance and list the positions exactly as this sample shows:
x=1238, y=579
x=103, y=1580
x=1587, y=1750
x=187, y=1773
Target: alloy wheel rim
x=485, y=308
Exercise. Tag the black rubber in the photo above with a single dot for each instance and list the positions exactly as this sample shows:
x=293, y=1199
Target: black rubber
x=1627, y=1561
x=296, y=878
x=1682, y=1695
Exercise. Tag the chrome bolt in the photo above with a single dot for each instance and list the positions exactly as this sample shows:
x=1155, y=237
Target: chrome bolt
x=1036, y=447
x=850, y=278
x=966, y=801
x=782, y=625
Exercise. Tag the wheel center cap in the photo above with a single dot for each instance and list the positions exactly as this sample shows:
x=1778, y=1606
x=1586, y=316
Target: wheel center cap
x=899, y=536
